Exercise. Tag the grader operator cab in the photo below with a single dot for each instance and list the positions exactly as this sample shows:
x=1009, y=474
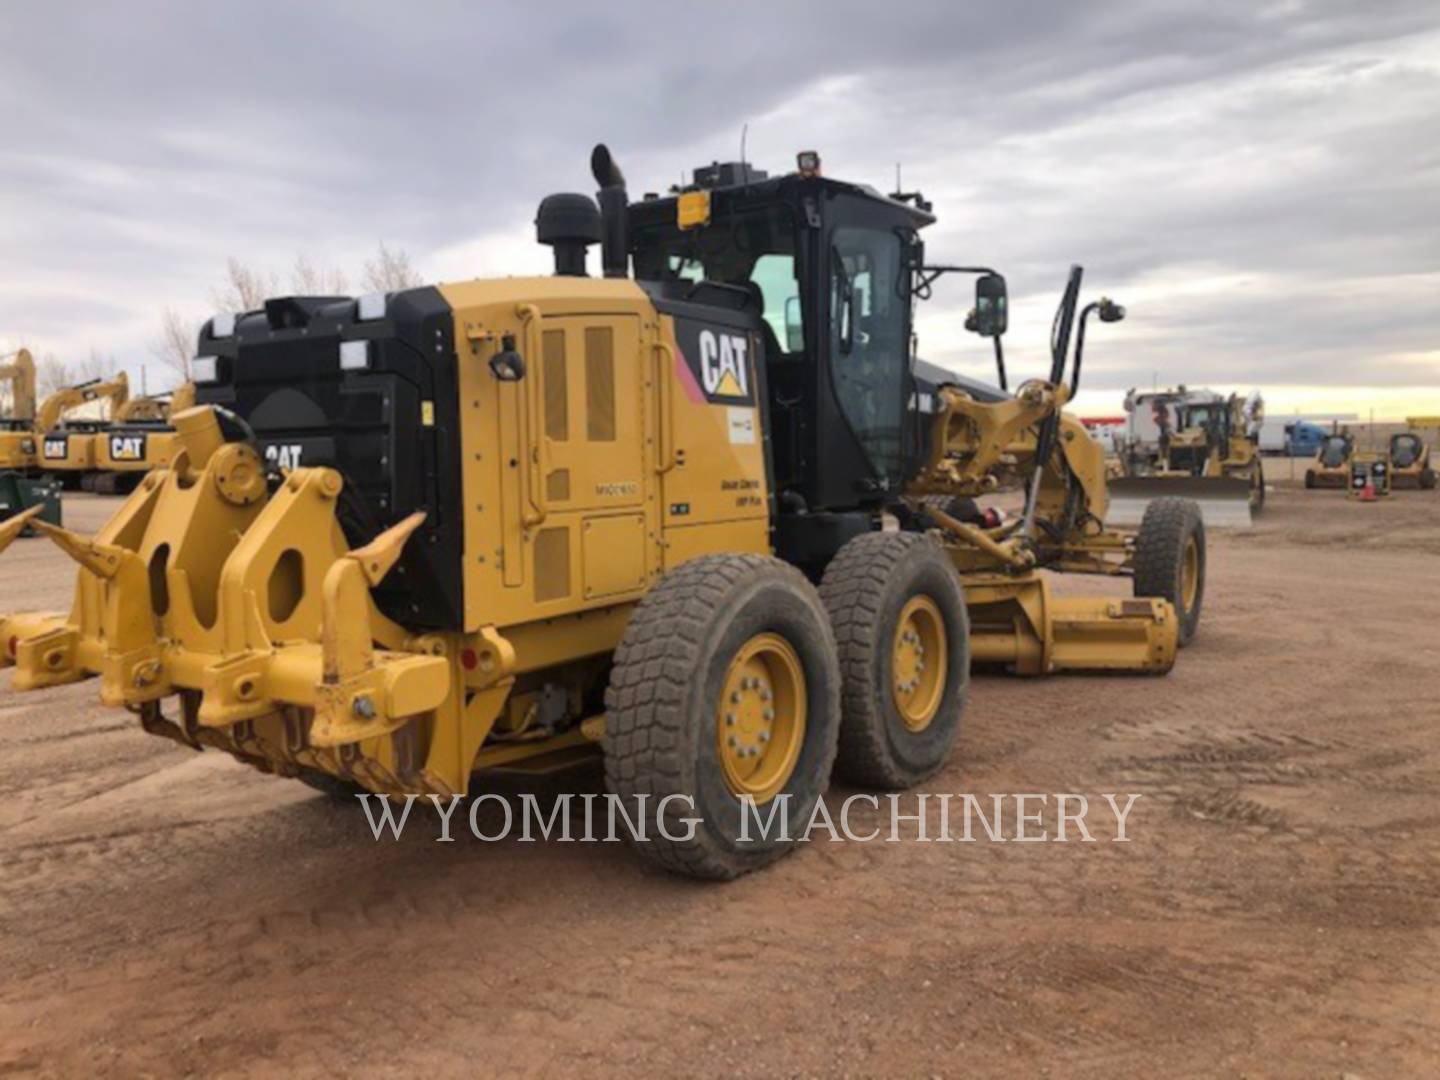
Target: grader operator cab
x=412, y=537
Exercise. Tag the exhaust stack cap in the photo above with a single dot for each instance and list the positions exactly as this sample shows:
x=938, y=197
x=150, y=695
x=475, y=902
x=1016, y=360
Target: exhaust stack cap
x=569, y=224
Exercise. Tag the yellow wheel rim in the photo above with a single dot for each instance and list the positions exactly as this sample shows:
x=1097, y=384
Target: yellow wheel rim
x=1190, y=574
x=918, y=663
x=760, y=718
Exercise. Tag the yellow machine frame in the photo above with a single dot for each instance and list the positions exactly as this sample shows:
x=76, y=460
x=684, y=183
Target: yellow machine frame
x=250, y=610
x=72, y=453
x=17, y=430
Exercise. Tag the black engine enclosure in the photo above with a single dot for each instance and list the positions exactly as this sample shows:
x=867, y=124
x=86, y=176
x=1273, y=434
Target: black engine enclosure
x=392, y=430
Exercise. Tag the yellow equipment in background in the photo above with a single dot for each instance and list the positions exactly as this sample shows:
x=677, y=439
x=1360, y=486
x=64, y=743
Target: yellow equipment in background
x=1211, y=454
x=139, y=440
x=1331, y=467
x=1409, y=457
x=498, y=524
x=68, y=447
x=18, y=442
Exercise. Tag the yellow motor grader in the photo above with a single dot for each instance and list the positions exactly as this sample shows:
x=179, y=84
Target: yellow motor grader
x=685, y=518
x=69, y=445
x=18, y=443
x=1209, y=452
x=139, y=439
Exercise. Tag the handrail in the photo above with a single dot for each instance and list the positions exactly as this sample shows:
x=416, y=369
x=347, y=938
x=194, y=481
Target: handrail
x=533, y=437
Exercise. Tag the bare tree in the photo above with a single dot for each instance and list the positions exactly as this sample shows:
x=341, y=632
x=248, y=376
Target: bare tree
x=390, y=270
x=310, y=278
x=244, y=289
x=175, y=345
x=52, y=373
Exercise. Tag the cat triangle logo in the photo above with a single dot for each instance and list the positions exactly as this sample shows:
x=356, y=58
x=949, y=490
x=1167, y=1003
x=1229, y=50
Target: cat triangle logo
x=724, y=364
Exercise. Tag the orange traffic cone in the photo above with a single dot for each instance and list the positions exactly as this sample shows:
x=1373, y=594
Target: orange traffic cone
x=1367, y=493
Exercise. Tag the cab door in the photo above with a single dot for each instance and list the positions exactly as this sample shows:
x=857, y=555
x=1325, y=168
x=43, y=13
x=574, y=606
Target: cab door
x=864, y=338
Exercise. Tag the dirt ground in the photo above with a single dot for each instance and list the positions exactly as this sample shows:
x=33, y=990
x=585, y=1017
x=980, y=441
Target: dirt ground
x=1277, y=911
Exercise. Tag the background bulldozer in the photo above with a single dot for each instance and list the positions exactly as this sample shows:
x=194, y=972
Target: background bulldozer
x=1207, y=449
x=685, y=519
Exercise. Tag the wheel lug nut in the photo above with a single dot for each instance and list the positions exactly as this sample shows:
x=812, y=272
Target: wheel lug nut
x=764, y=736
x=735, y=697
x=729, y=719
x=769, y=714
x=733, y=742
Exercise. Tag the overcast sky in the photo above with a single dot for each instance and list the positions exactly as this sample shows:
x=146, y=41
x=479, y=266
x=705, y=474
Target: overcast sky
x=1258, y=183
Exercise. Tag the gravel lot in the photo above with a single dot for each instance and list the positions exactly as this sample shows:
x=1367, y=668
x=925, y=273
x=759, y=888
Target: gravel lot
x=1275, y=912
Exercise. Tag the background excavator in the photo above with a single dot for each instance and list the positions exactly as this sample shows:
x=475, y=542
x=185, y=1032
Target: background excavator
x=139, y=439
x=69, y=444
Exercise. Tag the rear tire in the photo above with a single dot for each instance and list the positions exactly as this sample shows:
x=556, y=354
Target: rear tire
x=1170, y=559
x=1427, y=479
x=899, y=719
x=717, y=632
x=1257, y=495
x=1309, y=479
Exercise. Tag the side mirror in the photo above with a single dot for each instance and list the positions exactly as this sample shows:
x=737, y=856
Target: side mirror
x=507, y=365
x=1110, y=311
x=991, y=316
x=794, y=326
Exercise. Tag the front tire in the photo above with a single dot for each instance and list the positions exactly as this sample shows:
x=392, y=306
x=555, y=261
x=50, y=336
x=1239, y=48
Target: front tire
x=725, y=685
x=1170, y=559
x=903, y=635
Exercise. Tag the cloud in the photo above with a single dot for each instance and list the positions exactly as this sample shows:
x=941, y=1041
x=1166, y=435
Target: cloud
x=1255, y=182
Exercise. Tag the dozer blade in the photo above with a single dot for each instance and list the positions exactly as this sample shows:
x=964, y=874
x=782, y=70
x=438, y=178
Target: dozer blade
x=1224, y=500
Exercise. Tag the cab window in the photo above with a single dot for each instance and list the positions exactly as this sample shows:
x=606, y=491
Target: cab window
x=868, y=347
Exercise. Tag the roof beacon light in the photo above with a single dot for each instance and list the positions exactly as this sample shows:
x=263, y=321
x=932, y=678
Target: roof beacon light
x=808, y=162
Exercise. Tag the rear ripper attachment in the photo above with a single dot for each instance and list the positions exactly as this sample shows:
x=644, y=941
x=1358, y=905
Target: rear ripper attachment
x=210, y=586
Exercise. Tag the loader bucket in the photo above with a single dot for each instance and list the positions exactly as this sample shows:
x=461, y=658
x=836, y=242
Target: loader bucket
x=1225, y=501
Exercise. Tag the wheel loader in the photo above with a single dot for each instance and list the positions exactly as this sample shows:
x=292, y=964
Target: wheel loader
x=69, y=446
x=682, y=516
x=1209, y=452
x=18, y=440
x=139, y=439
x=1331, y=467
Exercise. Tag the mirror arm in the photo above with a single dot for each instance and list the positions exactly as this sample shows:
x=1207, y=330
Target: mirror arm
x=1000, y=362
x=1080, y=348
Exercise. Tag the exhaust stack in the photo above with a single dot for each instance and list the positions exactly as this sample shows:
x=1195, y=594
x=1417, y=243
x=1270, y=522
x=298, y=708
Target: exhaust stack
x=614, y=213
